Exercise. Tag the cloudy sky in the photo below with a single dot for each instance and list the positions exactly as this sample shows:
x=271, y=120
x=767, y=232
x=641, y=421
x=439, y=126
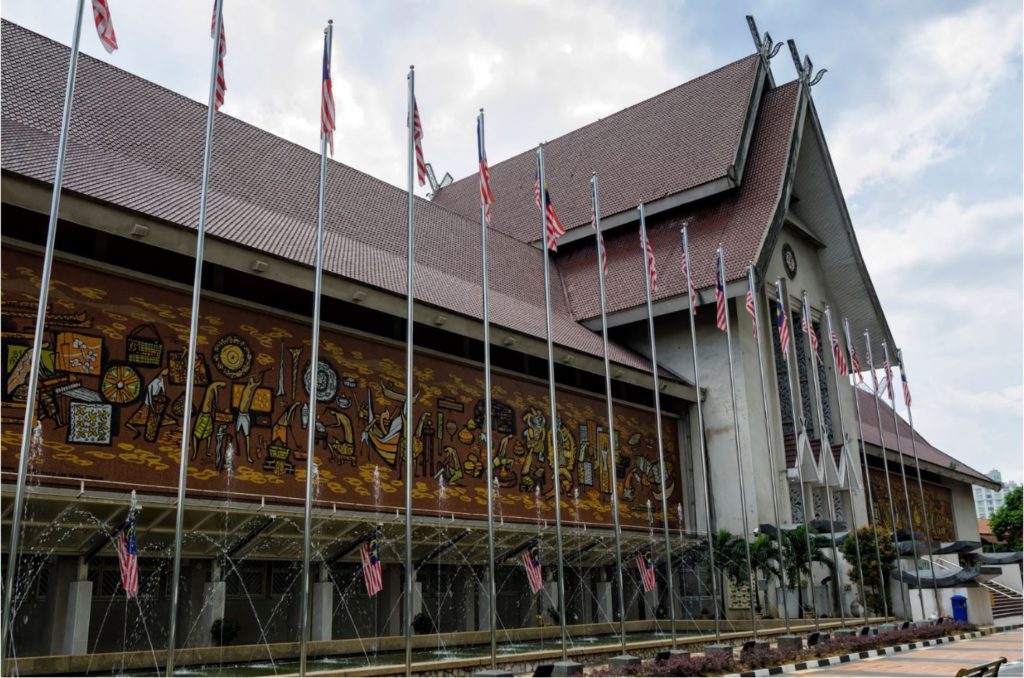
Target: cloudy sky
x=922, y=107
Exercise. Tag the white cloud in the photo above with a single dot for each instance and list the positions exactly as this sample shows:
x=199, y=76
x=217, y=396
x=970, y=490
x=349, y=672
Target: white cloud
x=940, y=77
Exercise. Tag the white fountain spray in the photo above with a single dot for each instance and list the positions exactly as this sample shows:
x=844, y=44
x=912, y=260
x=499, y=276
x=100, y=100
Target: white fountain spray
x=229, y=458
x=376, y=486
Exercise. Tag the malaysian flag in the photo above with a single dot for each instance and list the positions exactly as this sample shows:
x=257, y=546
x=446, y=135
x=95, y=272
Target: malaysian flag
x=486, y=195
x=652, y=271
x=417, y=140
x=781, y=323
x=837, y=353
x=218, y=97
x=808, y=326
x=370, y=552
x=906, y=388
x=750, y=308
x=685, y=263
x=531, y=560
x=128, y=558
x=854, y=358
x=593, y=222
x=722, y=320
x=553, y=228
x=327, y=109
x=645, y=563
x=104, y=27
x=888, y=377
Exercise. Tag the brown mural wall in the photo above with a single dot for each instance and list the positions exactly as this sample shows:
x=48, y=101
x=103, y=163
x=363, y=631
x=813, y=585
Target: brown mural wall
x=112, y=398
x=939, y=502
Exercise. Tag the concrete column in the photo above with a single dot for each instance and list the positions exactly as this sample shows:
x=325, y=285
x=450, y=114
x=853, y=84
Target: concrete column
x=77, y=612
x=587, y=603
x=194, y=572
x=323, y=611
x=467, y=604
x=388, y=599
x=651, y=604
x=549, y=601
x=214, y=595
x=483, y=606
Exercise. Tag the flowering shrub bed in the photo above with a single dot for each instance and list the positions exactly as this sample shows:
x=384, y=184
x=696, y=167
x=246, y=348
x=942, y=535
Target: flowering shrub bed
x=716, y=665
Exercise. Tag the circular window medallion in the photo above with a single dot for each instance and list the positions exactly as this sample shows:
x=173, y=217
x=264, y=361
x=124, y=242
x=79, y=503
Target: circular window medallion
x=326, y=381
x=789, y=261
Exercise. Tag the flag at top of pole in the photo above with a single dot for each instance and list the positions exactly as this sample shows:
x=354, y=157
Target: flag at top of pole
x=104, y=26
x=593, y=222
x=553, y=228
x=888, y=373
x=369, y=552
x=652, y=271
x=720, y=292
x=808, y=326
x=128, y=558
x=781, y=322
x=486, y=194
x=417, y=140
x=906, y=389
x=645, y=563
x=531, y=561
x=222, y=49
x=837, y=352
x=854, y=358
x=750, y=299
x=685, y=262
x=327, y=126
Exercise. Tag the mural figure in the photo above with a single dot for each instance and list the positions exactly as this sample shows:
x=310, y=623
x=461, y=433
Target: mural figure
x=644, y=474
x=202, y=431
x=152, y=414
x=243, y=419
x=451, y=468
x=536, y=451
x=425, y=433
x=341, y=449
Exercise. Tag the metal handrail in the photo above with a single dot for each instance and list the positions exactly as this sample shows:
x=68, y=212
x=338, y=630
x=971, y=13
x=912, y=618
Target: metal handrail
x=995, y=586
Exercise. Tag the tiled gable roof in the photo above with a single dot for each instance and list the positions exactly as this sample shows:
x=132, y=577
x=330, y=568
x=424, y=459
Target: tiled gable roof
x=678, y=140
x=138, y=146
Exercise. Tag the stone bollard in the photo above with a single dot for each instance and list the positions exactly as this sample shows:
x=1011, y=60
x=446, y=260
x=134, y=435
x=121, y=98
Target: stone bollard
x=718, y=650
x=789, y=642
x=844, y=633
x=622, y=661
x=568, y=668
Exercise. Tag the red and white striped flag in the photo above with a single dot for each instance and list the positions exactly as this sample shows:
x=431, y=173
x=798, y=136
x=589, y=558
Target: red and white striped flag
x=781, y=323
x=837, y=353
x=553, y=228
x=906, y=388
x=221, y=87
x=128, y=559
x=808, y=326
x=327, y=96
x=369, y=550
x=888, y=377
x=531, y=561
x=652, y=271
x=593, y=222
x=417, y=140
x=486, y=195
x=685, y=264
x=721, y=319
x=751, y=310
x=104, y=26
x=645, y=563
x=854, y=358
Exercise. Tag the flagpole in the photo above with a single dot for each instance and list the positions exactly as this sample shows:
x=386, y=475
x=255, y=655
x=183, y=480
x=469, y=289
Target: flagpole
x=700, y=432
x=824, y=447
x=793, y=386
x=903, y=475
x=406, y=426
x=555, y=456
x=867, y=480
x=751, y=582
x=846, y=439
x=190, y=360
x=37, y=341
x=885, y=464
x=657, y=417
x=314, y=366
x=768, y=440
x=492, y=590
x=920, y=485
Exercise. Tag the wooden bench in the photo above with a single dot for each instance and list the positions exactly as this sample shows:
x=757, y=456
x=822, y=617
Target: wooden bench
x=990, y=669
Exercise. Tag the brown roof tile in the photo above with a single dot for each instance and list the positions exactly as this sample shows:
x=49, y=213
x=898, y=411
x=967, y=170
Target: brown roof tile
x=680, y=139
x=925, y=450
x=146, y=157
x=737, y=220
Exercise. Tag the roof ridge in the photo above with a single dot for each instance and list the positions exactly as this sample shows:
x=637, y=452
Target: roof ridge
x=615, y=114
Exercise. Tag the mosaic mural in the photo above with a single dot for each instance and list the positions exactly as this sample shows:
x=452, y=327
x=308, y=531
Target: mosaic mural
x=938, y=499
x=111, y=403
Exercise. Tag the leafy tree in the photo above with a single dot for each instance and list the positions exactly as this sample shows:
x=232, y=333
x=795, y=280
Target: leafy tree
x=877, y=587
x=764, y=558
x=1006, y=522
x=798, y=562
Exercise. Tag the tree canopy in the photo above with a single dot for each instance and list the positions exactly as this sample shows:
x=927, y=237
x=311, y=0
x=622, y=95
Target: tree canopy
x=1006, y=521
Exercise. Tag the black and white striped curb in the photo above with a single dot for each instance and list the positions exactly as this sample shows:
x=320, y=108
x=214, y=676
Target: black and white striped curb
x=867, y=654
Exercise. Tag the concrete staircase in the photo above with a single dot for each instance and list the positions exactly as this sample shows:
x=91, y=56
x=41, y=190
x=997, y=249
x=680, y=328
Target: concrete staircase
x=1006, y=602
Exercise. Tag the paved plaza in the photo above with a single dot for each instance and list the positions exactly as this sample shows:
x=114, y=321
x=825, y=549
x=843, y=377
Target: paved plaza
x=941, y=660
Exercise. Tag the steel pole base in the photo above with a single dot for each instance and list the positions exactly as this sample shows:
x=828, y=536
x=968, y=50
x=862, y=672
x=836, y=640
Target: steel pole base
x=567, y=668
x=844, y=633
x=494, y=672
x=665, y=655
x=622, y=661
x=790, y=642
x=756, y=645
x=718, y=650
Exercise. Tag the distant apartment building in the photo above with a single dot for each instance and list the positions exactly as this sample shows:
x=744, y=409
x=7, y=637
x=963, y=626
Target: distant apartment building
x=986, y=501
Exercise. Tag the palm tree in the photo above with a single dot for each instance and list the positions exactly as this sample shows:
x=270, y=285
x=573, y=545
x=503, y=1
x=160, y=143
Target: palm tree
x=764, y=557
x=798, y=562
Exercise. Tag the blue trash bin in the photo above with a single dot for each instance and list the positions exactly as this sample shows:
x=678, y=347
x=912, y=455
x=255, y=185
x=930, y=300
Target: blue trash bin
x=959, y=608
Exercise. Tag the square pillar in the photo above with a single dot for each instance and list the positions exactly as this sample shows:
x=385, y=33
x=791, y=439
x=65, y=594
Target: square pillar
x=483, y=606
x=603, y=593
x=323, y=609
x=389, y=611
x=467, y=604
x=548, y=601
x=76, y=619
x=215, y=595
x=651, y=603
